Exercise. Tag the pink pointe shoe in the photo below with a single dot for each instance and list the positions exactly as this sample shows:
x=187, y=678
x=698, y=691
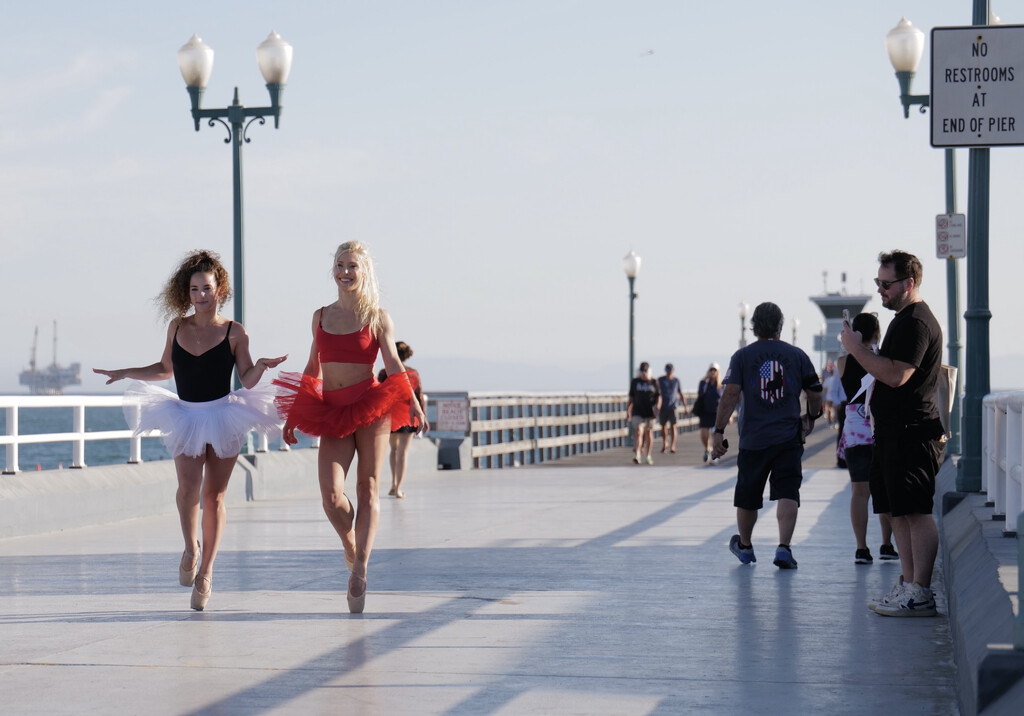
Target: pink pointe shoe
x=356, y=604
x=187, y=573
x=199, y=597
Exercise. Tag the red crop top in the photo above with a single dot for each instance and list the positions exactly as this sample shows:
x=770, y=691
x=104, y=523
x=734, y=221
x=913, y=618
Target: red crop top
x=360, y=347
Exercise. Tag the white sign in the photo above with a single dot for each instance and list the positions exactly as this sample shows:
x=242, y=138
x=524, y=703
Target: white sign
x=977, y=97
x=452, y=415
x=951, y=236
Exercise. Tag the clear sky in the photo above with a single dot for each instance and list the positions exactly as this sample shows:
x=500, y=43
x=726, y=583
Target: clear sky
x=499, y=158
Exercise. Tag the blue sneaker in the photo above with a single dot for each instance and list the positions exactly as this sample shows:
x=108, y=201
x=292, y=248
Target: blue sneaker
x=784, y=558
x=743, y=554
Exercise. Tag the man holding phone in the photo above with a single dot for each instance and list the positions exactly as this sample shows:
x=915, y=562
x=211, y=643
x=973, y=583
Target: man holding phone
x=908, y=433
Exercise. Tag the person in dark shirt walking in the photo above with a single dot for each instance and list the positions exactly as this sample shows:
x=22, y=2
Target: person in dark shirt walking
x=644, y=403
x=770, y=375
x=671, y=398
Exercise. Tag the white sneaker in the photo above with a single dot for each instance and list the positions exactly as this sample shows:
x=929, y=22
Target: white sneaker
x=894, y=594
x=916, y=601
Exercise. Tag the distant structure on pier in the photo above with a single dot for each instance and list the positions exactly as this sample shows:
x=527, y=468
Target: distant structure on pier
x=832, y=304
x=52, y=379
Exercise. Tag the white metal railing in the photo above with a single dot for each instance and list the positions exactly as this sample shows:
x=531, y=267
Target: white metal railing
x=1002, y=474
x=1002, y=465
x=12, y=438
x=512, y=429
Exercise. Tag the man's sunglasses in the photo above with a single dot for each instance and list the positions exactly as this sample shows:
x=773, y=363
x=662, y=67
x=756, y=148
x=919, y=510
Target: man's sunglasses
x=885, y=285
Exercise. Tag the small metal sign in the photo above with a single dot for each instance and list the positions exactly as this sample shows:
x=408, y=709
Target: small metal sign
x=951, y=236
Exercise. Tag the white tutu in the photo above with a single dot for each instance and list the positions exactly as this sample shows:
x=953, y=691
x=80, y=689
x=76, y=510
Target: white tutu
x=188, y=428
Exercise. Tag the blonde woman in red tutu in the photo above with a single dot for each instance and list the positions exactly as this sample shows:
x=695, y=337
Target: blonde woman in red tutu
x=205, y=425
x=338, y=398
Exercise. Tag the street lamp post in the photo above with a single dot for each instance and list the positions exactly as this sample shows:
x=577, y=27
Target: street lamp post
x=743, y=308
x=195, y=60
x=631, y=265
x=905, y=45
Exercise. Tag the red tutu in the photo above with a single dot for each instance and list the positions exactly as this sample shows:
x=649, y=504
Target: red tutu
x=303, y=403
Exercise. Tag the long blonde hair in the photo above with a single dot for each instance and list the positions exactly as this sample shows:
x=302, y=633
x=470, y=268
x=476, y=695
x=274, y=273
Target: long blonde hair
x=368, y=303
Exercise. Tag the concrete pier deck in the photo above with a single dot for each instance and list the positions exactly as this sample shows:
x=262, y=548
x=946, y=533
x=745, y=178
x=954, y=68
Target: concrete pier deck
x=571, y=588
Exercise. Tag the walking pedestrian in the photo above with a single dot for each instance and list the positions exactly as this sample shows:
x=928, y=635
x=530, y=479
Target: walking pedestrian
x=402, y=433
x=769, y=375
x=909, y=437
x=205, y=425
x=705, y=406
x=337, y=397
x=671, y=398
x=643, y=404
x=857, y=441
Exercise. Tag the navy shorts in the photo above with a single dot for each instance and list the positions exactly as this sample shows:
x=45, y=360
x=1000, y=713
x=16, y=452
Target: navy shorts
x=903, y=470
x=667, y=416
x=858, y=462
x=780, y=464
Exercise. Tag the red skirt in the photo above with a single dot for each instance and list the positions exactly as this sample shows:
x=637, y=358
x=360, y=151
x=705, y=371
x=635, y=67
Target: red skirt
x=303, y=403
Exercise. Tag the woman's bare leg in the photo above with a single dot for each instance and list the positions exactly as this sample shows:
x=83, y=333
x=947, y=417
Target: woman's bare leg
x=190, y=480
x=215, y=485
x=333, y=462
x=859, y=512
x=399, y=459
x=371, y=444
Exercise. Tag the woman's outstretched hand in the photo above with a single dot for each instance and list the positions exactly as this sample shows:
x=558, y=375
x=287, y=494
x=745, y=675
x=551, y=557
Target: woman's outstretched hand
x=112, y=375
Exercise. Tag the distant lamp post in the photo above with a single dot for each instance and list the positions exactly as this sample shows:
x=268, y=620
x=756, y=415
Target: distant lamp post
x=631, y=265
x=905, y=45
x=796, y=324
x=743, y=308
x=195, y=60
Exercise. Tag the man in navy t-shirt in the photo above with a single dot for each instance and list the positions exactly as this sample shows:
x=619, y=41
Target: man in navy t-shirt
x=671, y=398
x=769, y=375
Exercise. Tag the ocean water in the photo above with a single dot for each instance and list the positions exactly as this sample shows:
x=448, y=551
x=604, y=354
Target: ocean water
x=55, y=456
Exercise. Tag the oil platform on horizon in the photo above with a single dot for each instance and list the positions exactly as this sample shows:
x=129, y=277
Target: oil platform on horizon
x=52, y=379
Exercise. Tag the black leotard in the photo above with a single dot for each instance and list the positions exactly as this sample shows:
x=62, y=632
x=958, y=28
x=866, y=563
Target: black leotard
x=203, y=377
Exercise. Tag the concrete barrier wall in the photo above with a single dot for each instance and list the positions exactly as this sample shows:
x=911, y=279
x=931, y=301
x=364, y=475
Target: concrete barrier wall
x=981, y=617
x=54, y=500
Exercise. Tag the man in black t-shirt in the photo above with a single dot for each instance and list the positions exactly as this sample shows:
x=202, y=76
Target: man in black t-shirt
x=644, y=403
x=908, y=433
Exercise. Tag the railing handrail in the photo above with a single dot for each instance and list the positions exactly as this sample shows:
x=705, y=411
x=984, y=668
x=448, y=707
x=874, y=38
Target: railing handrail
x=519, y=426
x=12, y=438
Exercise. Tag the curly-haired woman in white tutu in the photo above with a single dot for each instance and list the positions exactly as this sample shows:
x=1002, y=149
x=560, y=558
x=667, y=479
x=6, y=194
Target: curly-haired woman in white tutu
x=205, y=425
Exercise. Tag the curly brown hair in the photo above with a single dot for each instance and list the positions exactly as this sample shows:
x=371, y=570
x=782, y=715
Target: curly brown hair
x=174, y=300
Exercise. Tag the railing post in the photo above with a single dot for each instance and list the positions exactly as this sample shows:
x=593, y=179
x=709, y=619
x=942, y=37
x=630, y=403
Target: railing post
x=78, y=447
x=12, y=450
x=1018, y=622
x=997, y=444
x=988, y=427
x=1012, y=487
x=135, y=442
